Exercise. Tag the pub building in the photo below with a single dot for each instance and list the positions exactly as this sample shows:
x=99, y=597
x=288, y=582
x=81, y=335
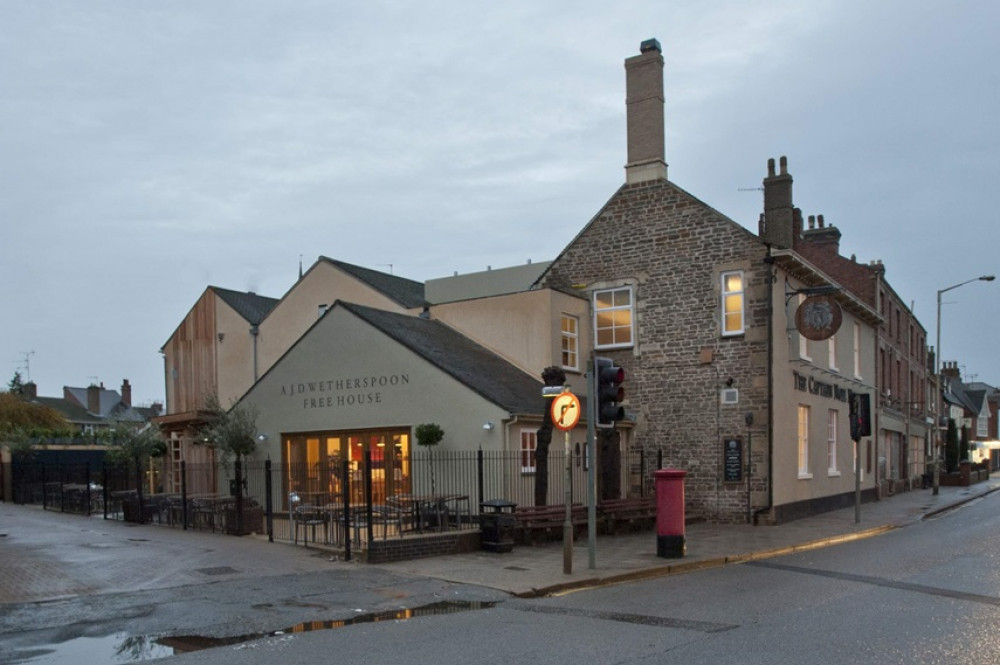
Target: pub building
x=738, y=348
x=362, y=379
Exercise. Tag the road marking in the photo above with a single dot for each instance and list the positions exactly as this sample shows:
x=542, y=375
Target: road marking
x=878, y=581
x=625, y=617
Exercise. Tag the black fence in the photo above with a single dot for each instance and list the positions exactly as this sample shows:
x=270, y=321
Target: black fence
x=344, y=503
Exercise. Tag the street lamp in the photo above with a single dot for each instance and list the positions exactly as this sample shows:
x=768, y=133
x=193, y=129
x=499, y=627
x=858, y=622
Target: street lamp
x=937, y=374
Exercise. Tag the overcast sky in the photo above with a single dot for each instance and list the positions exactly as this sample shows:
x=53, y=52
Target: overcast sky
x=151, y=149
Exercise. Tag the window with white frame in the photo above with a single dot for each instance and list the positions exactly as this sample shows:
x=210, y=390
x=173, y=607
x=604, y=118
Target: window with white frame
x=804, y=442
x=831, y=442
x=733, y=303
x=832, y=353
x=529, y=444
x=613, y=317
x=857, y=350
x=570, y=342
x=803, y=340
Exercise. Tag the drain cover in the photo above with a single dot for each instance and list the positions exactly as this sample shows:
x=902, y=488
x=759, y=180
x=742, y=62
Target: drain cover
x=221, y=570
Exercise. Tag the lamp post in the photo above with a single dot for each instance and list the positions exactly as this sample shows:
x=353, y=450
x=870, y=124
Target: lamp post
x=937, y=374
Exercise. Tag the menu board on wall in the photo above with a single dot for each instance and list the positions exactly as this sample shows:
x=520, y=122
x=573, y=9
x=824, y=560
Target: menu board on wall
x=732, y=459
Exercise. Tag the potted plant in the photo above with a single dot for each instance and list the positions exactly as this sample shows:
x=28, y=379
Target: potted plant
x=429, y=435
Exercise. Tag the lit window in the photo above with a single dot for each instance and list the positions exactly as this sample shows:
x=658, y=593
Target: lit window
x=804, y=442
x=528, y=445
x=613, y=317
x=831, y=442
x=732, y=303
x=570, y=342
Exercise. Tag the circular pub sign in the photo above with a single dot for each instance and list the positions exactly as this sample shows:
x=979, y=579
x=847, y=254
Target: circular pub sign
x=565, y=411
x=818, y=317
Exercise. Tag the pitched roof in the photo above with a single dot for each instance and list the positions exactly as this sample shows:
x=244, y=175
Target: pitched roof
x=474, y=366
x=250, y=306
x=109, y=402
x=74, y=413
x=406, y=292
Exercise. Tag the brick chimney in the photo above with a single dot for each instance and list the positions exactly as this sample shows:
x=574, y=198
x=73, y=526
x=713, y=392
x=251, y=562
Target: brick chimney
x=30, y=390
x=781, y=223
x=94, y=399
x=126, y=393
x=826, y=238
x=644, y=114
x=950, y=370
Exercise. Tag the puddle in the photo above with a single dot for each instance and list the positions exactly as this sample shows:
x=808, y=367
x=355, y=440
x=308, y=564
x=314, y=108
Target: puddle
x=120, y=648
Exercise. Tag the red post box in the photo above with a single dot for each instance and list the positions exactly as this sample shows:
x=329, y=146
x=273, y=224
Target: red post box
x=669, y=513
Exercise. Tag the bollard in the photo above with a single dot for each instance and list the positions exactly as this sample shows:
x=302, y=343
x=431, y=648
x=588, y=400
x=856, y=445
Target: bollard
x=669, y=513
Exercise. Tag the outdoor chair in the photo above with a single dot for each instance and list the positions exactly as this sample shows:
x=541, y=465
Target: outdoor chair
x=308, y=516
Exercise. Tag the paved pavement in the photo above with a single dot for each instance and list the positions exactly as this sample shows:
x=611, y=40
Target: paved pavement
x=46, y=556
x=538, y=570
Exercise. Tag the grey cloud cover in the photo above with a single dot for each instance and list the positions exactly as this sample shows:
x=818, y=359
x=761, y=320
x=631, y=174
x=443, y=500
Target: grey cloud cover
x=148, y=150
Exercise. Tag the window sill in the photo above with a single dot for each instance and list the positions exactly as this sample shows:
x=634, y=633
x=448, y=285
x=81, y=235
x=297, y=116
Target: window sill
x=805, y=476
x=833, y=473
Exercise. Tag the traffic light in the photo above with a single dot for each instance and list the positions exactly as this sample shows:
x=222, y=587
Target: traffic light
x=860, y=414
x=608, y=391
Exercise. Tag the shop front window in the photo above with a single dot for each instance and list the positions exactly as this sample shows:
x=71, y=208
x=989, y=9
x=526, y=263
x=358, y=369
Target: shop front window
x=315, y=465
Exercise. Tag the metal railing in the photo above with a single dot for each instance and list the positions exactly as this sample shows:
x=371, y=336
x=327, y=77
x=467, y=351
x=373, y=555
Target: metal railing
x=348, y=503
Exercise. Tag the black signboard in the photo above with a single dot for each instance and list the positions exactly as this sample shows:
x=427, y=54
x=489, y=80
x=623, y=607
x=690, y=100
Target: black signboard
x=732, y=459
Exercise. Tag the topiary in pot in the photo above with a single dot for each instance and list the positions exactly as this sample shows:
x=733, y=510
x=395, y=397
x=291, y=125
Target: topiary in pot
x=429, y=435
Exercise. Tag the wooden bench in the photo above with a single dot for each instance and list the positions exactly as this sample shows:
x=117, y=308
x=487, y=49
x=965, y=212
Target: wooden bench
x=534, y=522
x=637, y=513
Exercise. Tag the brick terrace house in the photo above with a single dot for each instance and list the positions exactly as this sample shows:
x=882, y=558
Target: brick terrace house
x=701, y=313
x=905, y=407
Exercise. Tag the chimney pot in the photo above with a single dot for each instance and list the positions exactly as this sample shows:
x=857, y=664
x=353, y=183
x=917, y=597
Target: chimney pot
x=650, y=45
x=812, y=222
x=820, y=220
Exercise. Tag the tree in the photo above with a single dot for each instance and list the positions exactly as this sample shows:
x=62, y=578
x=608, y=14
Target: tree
x=429, y=435
x=16, y=385
x=17, y=413
x=135, y=444
x=231, y=432
x=951, y=447
x=19, y=444
x=552, y=377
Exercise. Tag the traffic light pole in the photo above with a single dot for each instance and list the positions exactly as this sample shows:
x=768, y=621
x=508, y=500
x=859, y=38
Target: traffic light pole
x=591, y=470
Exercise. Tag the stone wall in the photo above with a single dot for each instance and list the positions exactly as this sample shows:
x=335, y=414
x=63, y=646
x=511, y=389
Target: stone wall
x=672, y=248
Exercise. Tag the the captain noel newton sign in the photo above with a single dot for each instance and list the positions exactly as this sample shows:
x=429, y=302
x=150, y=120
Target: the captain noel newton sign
x=343, y=392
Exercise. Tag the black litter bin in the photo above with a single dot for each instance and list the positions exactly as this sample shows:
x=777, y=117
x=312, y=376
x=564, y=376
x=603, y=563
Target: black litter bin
x=496, y=525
